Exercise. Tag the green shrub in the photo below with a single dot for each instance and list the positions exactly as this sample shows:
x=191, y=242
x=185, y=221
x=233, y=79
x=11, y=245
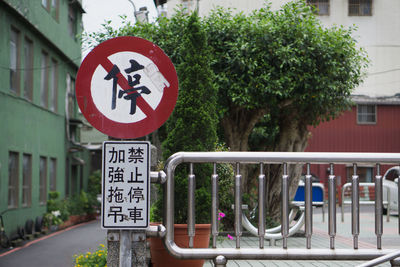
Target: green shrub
x=57, y=210
x=80, y=204
x=94, y=185
x=95, y=259
x=193, y=124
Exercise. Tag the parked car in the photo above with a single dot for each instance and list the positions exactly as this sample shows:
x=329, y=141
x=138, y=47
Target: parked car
x=391, y=180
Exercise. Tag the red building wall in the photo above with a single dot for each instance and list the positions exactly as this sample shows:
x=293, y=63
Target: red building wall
x=345, y=135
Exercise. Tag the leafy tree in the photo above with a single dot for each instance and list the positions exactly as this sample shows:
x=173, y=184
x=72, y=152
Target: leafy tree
x=192, y=126
x=280, y=69
x=283, y=64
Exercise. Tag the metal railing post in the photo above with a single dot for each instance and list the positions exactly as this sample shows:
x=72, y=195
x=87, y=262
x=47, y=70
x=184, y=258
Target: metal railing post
x=191, y=205
x=332, y=207
x=285, y=205
x=398, y=202
x=214, y=205
x=220, y=261
x=221, y=255
x=238, y=205
x=378, y=207
x=261, y=206
x=308, y=206
x=355, y=207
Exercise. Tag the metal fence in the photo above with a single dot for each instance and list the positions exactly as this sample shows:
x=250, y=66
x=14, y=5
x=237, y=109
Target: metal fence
x=220, y=256
x=369, y=201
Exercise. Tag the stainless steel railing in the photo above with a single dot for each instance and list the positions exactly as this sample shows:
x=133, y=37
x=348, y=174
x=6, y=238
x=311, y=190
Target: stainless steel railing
x=345, y=202
x=221, y=255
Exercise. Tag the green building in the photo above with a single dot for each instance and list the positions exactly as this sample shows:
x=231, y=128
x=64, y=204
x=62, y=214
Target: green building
x=40, y=148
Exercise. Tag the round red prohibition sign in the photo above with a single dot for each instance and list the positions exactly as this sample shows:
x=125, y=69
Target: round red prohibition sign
x=126, y=87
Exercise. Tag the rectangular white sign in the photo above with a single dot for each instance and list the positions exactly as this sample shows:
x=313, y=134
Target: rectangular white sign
x=125, y=186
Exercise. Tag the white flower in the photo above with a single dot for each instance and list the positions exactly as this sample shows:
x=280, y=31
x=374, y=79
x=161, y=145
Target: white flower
x=56, y=213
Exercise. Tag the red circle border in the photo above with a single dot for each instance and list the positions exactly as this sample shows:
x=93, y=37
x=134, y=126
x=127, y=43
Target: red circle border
x=117, y=129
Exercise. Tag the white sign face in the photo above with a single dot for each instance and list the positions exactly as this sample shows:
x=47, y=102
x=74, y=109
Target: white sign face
x=125, y=187
x=118, y=104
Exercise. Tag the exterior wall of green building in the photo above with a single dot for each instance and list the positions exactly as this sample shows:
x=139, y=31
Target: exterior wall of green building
x=35, y=128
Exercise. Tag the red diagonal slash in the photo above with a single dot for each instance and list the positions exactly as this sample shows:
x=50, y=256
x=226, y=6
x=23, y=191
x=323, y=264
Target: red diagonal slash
x=123, y=83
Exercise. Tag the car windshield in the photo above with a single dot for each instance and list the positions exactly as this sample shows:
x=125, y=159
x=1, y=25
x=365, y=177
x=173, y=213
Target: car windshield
x=392, y=175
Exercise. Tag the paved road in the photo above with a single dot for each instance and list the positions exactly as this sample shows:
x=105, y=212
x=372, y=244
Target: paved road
x=57, y=249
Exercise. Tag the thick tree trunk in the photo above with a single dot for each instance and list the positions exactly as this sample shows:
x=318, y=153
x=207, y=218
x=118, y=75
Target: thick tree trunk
x=293, y=137
x=238, y=124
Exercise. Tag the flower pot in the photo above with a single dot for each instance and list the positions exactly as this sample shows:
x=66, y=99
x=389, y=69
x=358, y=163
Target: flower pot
x=160, y=256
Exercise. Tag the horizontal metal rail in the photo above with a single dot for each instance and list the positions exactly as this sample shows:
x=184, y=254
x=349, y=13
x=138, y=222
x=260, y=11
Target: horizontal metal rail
x=221, y=255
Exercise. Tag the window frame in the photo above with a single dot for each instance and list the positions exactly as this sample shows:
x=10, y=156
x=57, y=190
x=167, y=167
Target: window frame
x=46, y=4
x=13, y=180
x=53, y=84
x=28, y=68
x=53, y=174
x=15, y=71
x=359, y=5
x=55, y=9
x=42, y=180
x=316, y=4
x=44, y=79
x=365, y=173
x=71, y=95
x=359, y=113
x=72, y=21
x=26, y=180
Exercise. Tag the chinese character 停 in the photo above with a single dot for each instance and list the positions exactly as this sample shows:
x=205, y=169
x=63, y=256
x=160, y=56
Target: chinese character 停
x=131, y=93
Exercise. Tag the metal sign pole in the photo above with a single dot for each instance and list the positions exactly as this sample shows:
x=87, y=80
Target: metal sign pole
x=127, y=247
x=125, y=255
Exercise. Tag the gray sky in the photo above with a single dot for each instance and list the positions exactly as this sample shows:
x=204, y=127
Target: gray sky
x=99, y=11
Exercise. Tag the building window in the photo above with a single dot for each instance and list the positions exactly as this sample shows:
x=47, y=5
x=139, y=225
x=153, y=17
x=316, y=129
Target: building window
x=55, y=6
x=28, y=69
x=14, y=60
x=187, y=6
x=46, y=4
x=360, y=7
x=44, y=80
x=365, y=174
x=43, y=181
x=27, y=180
x=72, y=21
x=71, y=96
x=321, y=6
x=52, y=6
x=53, y=174
x=366, y=114
x=13, y=174
x=53, y=85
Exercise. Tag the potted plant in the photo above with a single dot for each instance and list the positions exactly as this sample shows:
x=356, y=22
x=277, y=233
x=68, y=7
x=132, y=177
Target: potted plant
x=192, y=127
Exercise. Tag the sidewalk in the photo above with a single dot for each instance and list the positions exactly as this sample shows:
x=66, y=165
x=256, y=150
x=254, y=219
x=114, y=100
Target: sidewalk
x=320, y=239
